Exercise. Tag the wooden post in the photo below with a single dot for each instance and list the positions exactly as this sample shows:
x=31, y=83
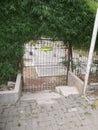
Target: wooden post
x=92, y=46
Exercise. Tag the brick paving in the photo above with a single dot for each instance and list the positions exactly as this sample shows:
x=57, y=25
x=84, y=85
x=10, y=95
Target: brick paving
x=49, y=111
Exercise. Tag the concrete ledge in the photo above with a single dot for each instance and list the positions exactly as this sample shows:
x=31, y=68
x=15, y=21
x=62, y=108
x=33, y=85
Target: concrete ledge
x=12, y=96
x=73, y=80
x=66, y=90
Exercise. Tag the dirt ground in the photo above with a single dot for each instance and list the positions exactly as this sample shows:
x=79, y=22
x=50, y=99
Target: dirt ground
x=34, y=83
x=93, y=78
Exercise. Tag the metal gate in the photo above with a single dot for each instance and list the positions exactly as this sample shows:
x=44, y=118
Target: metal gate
x=43, y=65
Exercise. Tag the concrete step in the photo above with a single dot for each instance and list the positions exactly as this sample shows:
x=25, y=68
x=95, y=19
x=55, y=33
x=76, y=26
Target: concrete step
x=41, y=97
x=66, y=90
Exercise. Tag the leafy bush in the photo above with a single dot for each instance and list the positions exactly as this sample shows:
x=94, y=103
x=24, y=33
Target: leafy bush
x=23, y=20
x=10, y=57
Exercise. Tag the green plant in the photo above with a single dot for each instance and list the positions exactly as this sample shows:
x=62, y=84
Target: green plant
x=67, y=20
x=10, y=58
x=87, y=113
x=64, y=61
x=94, y=105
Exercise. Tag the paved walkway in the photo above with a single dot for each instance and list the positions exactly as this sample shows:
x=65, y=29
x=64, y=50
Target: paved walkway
x=49, y=111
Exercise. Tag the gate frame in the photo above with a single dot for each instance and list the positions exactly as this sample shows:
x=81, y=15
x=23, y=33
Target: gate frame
x=22, y=64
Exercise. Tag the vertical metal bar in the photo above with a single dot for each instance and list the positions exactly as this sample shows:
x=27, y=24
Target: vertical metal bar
x=68, y=63
x=22, y=67
x=71, y=56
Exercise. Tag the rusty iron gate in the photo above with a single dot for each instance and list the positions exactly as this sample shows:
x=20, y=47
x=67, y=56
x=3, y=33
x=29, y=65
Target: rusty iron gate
x=43, y=65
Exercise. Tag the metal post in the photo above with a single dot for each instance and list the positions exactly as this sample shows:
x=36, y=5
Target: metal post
x=71, y=56
x=68, y=63
x=92, y=46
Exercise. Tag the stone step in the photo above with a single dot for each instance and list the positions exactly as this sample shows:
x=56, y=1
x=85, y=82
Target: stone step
x=41, y=96
x=66, y=90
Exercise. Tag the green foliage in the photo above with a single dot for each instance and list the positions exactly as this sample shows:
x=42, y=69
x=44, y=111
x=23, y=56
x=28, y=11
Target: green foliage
x=10, y=56
x=64, y=61
x=23, y=20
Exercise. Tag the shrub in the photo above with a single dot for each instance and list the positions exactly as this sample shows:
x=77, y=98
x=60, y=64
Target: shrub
x=21, y=21
x=10, y=57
